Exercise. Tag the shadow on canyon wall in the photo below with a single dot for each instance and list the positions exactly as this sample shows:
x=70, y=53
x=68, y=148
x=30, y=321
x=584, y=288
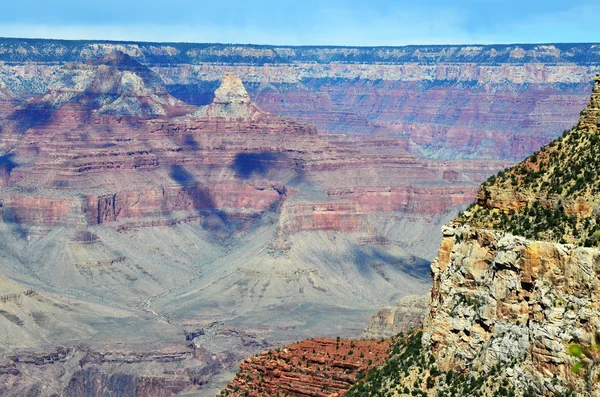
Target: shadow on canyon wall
x=369, y=260
x=247, y=165
x=214, y=219
x=200, y=94
x=7, y=162
x=32, y=116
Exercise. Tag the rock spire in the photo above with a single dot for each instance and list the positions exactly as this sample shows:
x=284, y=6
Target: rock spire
x=231, y=91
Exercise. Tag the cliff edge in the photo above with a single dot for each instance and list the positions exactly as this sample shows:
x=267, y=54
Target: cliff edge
x=515, y=284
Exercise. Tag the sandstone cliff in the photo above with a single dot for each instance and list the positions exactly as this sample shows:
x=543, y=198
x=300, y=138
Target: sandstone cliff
x=501, y=299
x=503, y=312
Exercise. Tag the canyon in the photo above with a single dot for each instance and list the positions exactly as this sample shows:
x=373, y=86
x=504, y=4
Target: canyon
x=219, y=230
x=444, y=102
x=168, y=210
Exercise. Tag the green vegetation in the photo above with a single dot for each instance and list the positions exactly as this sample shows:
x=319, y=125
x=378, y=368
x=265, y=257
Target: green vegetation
x=549, y=196
x=588, y=359
x=411, y=371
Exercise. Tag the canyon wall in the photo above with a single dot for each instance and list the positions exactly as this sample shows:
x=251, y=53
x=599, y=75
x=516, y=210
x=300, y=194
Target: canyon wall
x=407, y=314
x=492, y=101
x=498, y=298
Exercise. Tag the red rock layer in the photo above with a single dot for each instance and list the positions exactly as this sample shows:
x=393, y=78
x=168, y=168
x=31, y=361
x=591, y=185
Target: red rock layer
x=74, y=165
x=316, y=368
x=408, y=199
x=449, y=119
x=101, y=169
x=340, y=216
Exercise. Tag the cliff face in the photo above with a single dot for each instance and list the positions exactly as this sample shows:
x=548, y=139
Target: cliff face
x=72, y=157
x=498, y=298
x=408, y=313
x=497, y=101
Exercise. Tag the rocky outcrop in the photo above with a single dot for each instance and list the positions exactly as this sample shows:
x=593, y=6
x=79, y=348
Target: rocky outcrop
x=316, y=367
x=231, y=101
x=498, y=298
x=115, y=84
x=231, y=91
x=408, y=313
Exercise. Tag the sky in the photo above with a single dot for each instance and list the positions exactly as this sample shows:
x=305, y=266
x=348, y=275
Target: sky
x=306, y=22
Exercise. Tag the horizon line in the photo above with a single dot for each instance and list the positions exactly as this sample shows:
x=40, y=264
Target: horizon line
x=298, y=45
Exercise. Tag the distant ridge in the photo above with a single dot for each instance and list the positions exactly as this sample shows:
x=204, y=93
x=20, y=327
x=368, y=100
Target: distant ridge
x=54, y=50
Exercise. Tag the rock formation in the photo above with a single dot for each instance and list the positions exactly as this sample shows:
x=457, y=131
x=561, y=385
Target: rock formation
x=231, y=101
x=499, y=298
x=231, y=91
x=493, y=101
x=316, y=367
x=87, y=142
x=408, y=313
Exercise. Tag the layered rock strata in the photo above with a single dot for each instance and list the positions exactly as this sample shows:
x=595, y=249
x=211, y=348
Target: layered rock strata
x=316, y=367
x=87, y=372
x=73, y=157
x=494, y=101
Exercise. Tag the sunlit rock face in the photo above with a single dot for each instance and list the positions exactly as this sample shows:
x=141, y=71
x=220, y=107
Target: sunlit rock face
x=499, y=298
x=407, y=314
x=231, y=91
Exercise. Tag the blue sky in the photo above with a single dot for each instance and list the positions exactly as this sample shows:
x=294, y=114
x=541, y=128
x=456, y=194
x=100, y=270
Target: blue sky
x=306, y=22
